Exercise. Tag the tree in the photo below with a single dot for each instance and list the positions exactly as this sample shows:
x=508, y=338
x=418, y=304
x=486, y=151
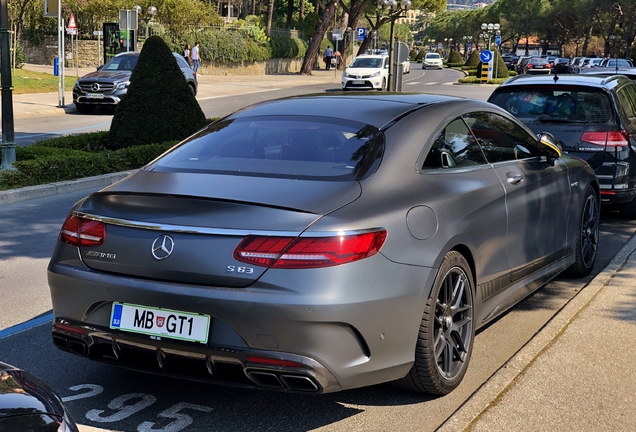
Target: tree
x=316, y=39
x=159, y=105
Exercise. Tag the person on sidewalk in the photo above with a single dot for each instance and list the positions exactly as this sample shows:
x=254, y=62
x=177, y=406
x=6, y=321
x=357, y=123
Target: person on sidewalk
x=328, y=57
x=196, y=58
x=338, y=59
x=186, y=54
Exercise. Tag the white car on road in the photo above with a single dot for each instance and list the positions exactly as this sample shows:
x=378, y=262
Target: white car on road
x=369, y=72
x=432, y=60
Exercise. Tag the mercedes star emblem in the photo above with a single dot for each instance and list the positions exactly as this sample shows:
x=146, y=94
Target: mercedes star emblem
x=162, y=247
x=95, y=87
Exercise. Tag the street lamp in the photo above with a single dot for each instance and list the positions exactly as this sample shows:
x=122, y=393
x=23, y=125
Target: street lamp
x=490, y=29
x=467, y=40
x=394, y=13
x=151, y=11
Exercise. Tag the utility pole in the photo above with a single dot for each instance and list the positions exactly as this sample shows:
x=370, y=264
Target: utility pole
x=8, y=134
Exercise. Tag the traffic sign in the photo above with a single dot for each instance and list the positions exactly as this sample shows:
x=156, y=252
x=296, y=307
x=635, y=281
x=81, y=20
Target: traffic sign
x=485, y=56
x=71, y=22
x=498, y=40
x=362, y=33
x=336, y=34
x=71, y=31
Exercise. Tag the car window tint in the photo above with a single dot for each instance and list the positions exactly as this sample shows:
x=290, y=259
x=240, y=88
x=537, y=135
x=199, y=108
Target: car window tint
x=121, y=63
x=285, y=147
x=501, y=139
x=553, y=103
x=454, y=147
x=627, y=101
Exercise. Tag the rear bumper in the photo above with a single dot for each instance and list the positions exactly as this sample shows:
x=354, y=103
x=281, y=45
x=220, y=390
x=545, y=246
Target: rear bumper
x=353, y=328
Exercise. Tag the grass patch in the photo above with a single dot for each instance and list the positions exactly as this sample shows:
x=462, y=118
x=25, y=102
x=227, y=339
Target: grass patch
x=477, y=80
x=26, y=82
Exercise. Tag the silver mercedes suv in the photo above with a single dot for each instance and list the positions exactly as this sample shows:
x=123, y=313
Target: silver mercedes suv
x=109, y=83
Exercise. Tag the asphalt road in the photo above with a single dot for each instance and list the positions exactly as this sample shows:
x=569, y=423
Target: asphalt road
x=112, y=398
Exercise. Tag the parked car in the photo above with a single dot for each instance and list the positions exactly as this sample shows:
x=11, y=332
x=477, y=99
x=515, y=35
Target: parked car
x=510, y=60
x=366, y=72
x=29, y=405
x=322, y=243
x=537, y=65
x=432, y=60
x=625, y=71
x=110, y=83
x=589, y=63
x=561, y=65
x=521, y=64
x=614, y=63
x=574, y=65
x=592, y=117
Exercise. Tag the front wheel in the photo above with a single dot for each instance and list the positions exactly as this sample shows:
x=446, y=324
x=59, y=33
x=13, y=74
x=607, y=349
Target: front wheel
x=447, y=330
x=587, y=236
x=383, y=88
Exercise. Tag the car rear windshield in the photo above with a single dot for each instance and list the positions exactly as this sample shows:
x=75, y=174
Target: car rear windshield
x=574, y=104
x=299, y=147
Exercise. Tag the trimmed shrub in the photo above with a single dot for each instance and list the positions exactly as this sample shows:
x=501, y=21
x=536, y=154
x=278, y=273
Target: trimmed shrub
x=499, y=68
x=159, y=105
x=420, y=56
x=473, y=59
x=413, y=54
x=455, y=58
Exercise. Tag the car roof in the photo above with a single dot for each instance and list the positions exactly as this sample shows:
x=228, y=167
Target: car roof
x=374, y=109
x=607, y=81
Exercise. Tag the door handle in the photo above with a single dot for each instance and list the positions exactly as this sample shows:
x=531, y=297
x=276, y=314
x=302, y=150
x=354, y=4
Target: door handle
x=514, y=178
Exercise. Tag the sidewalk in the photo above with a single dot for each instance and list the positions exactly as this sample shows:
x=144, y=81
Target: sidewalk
x=577, y=374
x=210, y=87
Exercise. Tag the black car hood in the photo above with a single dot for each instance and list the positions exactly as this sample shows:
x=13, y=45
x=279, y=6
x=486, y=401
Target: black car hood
x=103, y=76
x=22, y=393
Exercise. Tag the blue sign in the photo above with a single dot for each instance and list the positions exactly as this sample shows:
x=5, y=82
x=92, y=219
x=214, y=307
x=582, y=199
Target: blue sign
x=362, y=33
x=498, y=40
x=470, y=46
x=485, y=56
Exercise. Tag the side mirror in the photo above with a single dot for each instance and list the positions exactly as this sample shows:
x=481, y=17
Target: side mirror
x=550, y=144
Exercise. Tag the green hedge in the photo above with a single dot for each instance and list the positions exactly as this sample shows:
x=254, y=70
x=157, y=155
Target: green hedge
x=73, y=157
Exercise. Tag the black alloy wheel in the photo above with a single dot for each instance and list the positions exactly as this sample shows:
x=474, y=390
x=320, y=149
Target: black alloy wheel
x=447, y=331
x=587, y=237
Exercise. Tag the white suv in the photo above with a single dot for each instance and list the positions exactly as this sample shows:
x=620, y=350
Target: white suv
x=366, y=72
x=432, y=60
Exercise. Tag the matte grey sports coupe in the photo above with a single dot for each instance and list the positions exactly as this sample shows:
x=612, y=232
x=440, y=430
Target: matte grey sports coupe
x=322, y=243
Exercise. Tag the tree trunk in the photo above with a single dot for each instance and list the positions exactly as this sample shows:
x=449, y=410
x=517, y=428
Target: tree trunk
x=290, y=12
x=270, y=13
x=316, y=39
x=301, y=11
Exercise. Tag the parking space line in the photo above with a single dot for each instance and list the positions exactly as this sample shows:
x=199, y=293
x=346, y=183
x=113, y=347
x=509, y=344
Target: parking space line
x=26, y=325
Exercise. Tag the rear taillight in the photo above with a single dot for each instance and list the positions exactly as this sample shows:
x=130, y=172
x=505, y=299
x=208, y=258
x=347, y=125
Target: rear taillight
x=308, y=252
x=548, y=65
x=81, y=232
x=610, y=139
x=529, y=66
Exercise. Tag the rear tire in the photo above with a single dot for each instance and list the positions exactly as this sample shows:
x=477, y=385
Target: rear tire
x=447, y=331
x=587, y=236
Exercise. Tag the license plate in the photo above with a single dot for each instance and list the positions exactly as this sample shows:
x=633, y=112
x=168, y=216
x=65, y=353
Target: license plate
x=94, y=96
x=358, y=81
x=160, y=322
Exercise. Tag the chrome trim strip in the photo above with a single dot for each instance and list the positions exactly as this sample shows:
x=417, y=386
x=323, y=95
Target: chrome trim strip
x=215, y=231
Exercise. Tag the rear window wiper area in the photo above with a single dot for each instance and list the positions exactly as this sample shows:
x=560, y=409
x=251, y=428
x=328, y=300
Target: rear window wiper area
x=543, y=118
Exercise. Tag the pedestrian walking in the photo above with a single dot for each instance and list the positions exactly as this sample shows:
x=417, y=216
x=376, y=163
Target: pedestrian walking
x=328, y=57
x=338, y=59
x=196, y=58
x=186, y=54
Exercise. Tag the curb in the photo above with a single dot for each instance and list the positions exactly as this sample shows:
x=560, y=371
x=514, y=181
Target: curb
x=506, y=376
x=59, y=188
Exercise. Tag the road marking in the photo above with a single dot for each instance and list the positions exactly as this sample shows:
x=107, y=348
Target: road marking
x=413, y=83
x=26, y=325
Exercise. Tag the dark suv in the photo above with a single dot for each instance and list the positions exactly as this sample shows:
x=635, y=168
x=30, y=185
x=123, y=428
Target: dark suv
x=594, y=118
x=107, y=86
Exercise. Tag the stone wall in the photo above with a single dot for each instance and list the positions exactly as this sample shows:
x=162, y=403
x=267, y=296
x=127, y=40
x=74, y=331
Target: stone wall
x=87, y=56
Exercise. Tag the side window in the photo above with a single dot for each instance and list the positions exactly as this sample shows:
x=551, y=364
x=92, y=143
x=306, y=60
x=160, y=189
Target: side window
x=454, y=147
x=501, y=139
x=627, y=98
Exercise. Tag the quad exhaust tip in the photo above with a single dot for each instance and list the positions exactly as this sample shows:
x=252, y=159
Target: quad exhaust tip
x=283, y=381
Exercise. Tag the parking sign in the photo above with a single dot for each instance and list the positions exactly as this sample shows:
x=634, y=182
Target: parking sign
x=362, y=33
x=497, y=40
